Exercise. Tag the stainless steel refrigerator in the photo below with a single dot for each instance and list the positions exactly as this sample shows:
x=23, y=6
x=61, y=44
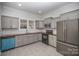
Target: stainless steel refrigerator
x=68, y=37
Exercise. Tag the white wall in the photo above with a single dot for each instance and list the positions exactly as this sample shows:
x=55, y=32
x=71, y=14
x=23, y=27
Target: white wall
x=19, y=13
x=9, y=11
x=63, y=9
x=29, y=16
x=56, y=13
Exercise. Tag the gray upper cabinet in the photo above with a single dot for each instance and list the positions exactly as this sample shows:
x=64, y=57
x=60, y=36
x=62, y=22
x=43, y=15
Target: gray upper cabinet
x=48, y=23
x=70, y=15
x=39, y=24
x=8, y=22
x=23, y=24
x=31, y=24
x=38, y=36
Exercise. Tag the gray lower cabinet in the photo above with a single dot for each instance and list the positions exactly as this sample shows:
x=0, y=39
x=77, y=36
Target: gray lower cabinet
x=67, y=49
x=27, y=39
x=22, y=40
x=38, y=37
x=52, y=40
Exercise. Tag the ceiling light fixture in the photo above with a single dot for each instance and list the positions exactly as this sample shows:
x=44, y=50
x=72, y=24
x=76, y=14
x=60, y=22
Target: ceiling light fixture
x=19, y=4
x=39, y=12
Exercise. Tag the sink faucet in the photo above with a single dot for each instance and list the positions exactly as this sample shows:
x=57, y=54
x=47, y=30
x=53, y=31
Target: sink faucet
x=26, y=30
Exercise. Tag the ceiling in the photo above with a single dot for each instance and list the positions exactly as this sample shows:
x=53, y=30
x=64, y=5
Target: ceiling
x=36, y=7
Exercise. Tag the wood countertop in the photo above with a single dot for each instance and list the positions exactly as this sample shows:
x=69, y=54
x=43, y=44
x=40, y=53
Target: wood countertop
x=13, y=35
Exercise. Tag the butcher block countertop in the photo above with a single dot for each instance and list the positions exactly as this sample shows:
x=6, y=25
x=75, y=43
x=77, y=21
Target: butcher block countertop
x=17, y=34
x=13, y=35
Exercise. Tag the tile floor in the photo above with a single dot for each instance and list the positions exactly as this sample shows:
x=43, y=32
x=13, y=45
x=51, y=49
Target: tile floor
x=36, y=49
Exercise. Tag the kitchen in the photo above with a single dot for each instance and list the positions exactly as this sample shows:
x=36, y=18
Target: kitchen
x=28, y=28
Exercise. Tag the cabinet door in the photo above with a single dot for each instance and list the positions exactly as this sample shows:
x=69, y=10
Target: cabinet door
x=20, y=40
x=39, y=25
x=55, y=40
x=39, y=37
x=23, y=24
x=9, y=22
x=60, y=30
x=72, y=32
x=6, y=23
x=27, y=39
x=31, y=24
x=0, y=22
x=52, y=40
x=23, y=40
x=32, y=38
x=15, y=22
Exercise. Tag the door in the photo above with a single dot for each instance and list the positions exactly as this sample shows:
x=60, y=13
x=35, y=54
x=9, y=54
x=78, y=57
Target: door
x=60, y=30
x=72, y=32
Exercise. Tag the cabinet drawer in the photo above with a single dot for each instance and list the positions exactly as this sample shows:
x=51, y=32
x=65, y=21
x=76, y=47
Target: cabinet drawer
x=66, y=49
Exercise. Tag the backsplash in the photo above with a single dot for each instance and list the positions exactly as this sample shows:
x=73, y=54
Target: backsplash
x=19, y=31
x=12, y=31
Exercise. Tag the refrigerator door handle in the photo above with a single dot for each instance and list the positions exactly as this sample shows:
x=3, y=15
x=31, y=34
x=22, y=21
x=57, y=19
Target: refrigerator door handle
x=65, y=32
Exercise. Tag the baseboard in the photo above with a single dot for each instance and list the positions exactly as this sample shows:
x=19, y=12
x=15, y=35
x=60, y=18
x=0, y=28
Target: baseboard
x=21, y=46
x=52, y=46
